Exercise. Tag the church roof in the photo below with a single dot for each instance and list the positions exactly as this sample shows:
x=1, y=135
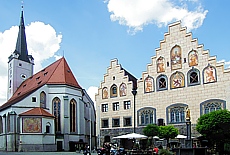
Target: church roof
x=36, y=112
x=58, y=73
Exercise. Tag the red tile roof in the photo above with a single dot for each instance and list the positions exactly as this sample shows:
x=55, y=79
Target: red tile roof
x=36, y=112
x=56, y=73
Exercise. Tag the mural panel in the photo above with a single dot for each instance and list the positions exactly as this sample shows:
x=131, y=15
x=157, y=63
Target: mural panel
x=160, y=64
x=32, y=125
x=123, y=89
x=105, y=93
x=149, y=84
x=177, y=80
x=176, y=57
x=209, y=74
x=193, y=58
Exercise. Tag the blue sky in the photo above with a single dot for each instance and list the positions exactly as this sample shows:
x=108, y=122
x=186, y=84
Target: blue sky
x=89, y=33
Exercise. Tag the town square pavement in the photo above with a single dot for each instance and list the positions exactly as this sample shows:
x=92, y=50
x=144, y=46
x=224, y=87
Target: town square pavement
x=43, y=153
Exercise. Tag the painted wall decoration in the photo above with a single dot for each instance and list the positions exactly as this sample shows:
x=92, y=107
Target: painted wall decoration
x=149, y=84
x=123, y=89
x=177, y=80
x=160, y=64
x=32, y=125
x=209, y=74
x=193, y=58
x=176, y=58
x=105, y=93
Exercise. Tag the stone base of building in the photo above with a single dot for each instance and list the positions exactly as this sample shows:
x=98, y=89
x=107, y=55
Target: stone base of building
x=37, y=147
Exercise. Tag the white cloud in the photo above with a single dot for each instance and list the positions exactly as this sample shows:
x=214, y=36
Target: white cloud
x=42, y=42
x=226, y=63
x=92, y=90
x=137, y=13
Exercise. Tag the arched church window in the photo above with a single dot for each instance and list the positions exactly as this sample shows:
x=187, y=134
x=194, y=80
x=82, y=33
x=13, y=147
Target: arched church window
x=105, y=93
x=162, y=82
x=43, y=99
x=57, y=113
x=176, y=113
x=193, y=58
x=113, y=91
x=48, y=127
x=8, y=123
x=146, y=116
x=149, y=84
x=209, y=74
x=177, y=80
x=1, y=125
x=176, y=58
x=123, y=89
x=212, y=105
x=72, y=115
x=193, y=77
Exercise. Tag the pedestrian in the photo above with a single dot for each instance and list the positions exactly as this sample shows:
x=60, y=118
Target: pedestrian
x=155, y=150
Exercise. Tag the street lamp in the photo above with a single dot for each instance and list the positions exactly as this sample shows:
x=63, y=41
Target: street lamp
x=134, y=92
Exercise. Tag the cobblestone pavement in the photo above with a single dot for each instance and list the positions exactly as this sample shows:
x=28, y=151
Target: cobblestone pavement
x=43, y=153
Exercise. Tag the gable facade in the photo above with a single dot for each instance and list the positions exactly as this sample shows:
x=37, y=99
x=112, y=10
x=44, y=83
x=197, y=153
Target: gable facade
x=181, y=75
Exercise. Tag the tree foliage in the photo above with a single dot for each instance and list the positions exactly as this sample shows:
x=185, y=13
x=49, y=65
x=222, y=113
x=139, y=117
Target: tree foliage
x=151, y=130
x=215, y=126
x=168, y=132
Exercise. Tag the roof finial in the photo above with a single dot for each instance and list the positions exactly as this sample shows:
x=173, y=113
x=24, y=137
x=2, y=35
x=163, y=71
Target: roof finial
x=22, y=5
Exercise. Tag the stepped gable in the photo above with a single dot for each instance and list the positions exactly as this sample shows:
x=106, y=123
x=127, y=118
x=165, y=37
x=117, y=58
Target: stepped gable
x=56, y=73
x=36, y=112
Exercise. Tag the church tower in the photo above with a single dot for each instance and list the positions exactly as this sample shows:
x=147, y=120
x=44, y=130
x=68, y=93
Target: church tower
x=20, y=64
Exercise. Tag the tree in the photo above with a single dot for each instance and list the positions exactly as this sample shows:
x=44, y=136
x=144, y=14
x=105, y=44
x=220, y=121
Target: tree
x=168, y=132
x=215, y=127
x=151, y=130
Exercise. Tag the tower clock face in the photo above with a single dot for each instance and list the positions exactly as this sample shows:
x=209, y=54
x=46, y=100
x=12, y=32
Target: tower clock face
x=23, y=76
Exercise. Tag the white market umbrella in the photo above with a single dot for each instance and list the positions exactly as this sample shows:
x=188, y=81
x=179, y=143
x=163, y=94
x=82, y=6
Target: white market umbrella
x=156, y=137
x=181, y=137
x=132, y=136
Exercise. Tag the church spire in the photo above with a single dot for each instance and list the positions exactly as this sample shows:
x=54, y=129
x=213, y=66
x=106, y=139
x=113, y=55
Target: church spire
x=21, y=45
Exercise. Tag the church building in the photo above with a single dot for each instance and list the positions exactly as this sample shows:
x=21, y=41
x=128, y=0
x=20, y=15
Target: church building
x=181, y=75
x=46, y=111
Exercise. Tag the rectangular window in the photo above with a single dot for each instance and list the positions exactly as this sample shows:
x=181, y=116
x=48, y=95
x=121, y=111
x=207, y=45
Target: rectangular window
x=116, y=106
x=127, y=121
x=105, y=123
x=104, y=107
x=127, y=104
x=33, y=99
x=116, y=122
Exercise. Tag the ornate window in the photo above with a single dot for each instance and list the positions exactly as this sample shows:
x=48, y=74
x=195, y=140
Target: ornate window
x=160, y=64
x=43, y=99
x=176, y=58
x=146, y=116
x=209, y=74
x=162, y=82
x=212, y=105
x=72, y=115
x=104, y=107
x=113, y=91
x=105, y=93
x=127, y=104
x=123, y=89
x=57, y=113
x=149, y=84
x=116, y=106
x=193, y=77
x=177, y=80
x=193, y=58
x=176, y=113
x=1, y=125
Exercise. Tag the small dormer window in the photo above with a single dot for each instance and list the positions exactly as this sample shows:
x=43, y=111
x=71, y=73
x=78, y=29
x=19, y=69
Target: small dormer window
x=23, y=76
x=114, y=77
x=20, y=65
x=33, y=99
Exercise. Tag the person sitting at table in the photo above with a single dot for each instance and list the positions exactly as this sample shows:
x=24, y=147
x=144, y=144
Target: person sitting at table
x=155, y=150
